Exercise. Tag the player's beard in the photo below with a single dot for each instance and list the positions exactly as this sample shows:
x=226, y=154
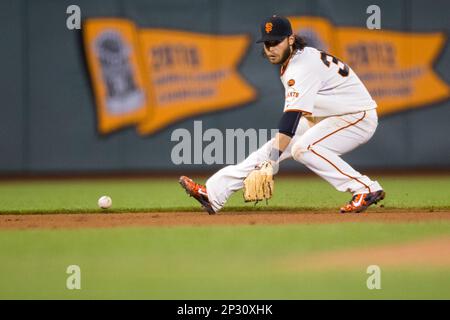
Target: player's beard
x=285, y=55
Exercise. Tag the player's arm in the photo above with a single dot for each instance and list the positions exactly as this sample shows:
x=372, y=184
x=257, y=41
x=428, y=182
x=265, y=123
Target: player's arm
x=301, y=91
x=286, y=130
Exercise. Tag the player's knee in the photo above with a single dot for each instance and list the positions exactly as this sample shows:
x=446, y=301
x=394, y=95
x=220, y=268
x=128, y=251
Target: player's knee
x=299, y=149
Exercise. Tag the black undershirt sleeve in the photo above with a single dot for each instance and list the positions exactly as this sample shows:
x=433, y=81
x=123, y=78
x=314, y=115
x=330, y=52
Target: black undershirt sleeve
x=288, y=125
x=289, y=122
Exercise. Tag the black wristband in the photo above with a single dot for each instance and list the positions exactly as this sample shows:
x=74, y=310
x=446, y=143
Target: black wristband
x=289, y=122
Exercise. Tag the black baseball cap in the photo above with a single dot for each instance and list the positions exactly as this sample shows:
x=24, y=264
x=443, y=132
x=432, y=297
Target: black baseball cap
x=275, y=28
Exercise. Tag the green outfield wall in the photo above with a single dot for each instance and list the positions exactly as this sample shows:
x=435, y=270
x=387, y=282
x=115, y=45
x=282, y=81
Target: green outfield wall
x=49, y=117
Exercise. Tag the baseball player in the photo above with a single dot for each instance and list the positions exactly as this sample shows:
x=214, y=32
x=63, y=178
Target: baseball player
x=327, y=112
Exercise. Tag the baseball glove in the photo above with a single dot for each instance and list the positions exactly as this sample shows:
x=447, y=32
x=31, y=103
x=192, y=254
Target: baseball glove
x=259, y=183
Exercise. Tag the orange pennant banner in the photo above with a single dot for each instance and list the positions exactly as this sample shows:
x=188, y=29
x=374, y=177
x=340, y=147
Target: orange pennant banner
x=192, y=74
x=115, y=66
x=396, y=67
x=177, y=74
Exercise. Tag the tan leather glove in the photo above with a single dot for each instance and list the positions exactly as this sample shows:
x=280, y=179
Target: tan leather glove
x=259, y=183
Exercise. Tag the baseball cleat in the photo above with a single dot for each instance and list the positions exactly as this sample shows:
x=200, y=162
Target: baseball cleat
x=198, y=192
x=361, y=202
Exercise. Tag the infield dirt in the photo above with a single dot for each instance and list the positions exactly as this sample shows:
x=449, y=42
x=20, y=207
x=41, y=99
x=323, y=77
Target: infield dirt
x=167, y=219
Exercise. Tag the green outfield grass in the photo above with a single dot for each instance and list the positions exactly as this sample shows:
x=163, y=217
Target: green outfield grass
x=211, y=262
x=239, y=262
x=300, y=193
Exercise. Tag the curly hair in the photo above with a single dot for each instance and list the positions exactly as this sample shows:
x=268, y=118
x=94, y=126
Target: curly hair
x=299, y=43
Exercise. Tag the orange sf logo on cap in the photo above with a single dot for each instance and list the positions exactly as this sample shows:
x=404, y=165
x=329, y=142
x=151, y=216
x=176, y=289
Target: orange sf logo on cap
x=291, y=82
x=269, y=26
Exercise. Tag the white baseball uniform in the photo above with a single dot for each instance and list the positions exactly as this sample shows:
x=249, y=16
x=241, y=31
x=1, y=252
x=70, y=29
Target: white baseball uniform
x=338, y=116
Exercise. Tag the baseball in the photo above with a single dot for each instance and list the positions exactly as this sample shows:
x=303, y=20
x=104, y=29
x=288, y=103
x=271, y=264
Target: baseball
x=104, y=202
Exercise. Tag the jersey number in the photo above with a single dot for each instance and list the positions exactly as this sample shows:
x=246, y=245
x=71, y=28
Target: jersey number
x=342, y=71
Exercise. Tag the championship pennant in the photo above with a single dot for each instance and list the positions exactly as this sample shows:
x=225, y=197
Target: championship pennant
x=396, y=67
x=155, y=77
x=115, y=65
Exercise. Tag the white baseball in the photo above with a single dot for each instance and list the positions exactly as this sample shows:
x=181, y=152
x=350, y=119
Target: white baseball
x=104, y=202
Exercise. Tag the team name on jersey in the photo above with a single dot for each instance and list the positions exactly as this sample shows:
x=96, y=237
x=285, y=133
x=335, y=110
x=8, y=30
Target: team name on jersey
x=292, y=94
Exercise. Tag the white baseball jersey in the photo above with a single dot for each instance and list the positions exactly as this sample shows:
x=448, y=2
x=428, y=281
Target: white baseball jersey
x=319, y=84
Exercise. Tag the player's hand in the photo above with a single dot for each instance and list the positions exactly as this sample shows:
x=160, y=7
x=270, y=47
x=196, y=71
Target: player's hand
x=271, y=162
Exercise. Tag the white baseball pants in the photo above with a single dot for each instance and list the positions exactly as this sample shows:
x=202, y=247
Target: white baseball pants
x=318, y=144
